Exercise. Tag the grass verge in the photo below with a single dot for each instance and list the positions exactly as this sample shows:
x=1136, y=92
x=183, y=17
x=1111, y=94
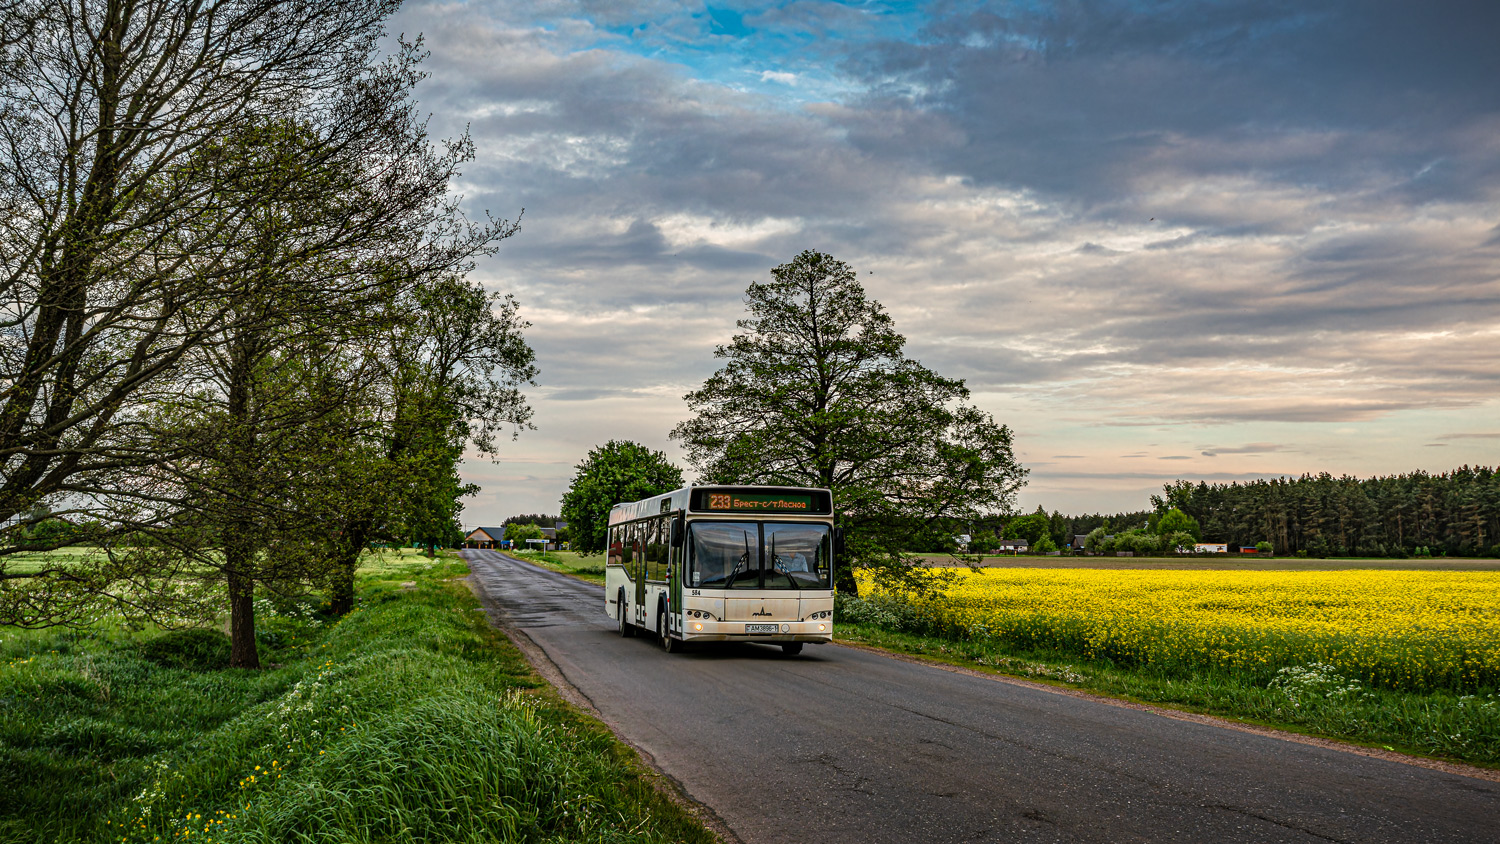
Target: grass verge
x=589, y=568
x=409, y=720
x=1309, y=700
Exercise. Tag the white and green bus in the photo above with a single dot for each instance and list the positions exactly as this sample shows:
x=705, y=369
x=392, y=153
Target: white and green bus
x=724, y=564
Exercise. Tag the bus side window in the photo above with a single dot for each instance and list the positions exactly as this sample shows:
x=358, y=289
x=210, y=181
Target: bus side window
x=656, y=550
x=638, y=541
x=615, y=551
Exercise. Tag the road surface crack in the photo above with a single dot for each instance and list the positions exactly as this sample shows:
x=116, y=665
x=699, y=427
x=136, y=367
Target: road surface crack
x=827, y=760
x=1240, y=810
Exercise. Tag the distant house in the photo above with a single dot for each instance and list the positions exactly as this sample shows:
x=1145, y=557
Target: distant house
x=1210, y=548
x=1013, y=546
x=485, y=537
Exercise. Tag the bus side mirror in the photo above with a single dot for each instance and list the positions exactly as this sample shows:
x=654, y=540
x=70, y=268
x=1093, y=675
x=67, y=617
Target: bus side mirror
x=677, y=533
x=838, y=540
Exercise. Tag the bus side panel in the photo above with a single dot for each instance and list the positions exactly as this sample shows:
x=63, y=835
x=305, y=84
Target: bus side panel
x=615, y=582
x=656, y=596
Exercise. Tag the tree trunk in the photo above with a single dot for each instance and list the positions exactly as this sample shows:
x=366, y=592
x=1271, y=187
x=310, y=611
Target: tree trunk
x=341, y=588
x=346, y=563
x=242, y=650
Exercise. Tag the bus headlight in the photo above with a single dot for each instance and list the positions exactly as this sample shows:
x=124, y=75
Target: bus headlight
x=786, y=628
x=697, y=626
x=822, y=627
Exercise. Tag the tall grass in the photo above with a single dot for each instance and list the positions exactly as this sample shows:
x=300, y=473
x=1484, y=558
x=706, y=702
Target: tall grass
x=407, y=721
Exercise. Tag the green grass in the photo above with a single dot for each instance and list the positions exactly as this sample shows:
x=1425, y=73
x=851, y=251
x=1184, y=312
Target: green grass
x=371, y=562
x=1443, y=724
x=30, y=562
x=408, y=720
x=390, y=561
x=590, y=568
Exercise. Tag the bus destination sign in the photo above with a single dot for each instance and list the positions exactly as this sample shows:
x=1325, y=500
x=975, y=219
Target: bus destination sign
x=734, y=501
x=759, y=501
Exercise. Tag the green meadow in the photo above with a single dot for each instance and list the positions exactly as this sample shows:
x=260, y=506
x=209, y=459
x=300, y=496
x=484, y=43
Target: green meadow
x=409, y=720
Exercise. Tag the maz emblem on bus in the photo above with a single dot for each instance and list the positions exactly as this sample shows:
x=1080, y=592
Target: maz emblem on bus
x=762, y=612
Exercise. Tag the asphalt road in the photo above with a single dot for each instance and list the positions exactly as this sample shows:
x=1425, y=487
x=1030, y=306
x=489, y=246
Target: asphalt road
x=843, y=745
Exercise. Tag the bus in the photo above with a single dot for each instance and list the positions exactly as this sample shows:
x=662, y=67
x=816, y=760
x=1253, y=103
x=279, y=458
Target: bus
x=724, y=564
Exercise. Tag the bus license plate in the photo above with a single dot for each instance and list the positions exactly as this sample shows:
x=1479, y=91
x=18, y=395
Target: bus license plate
x=761, y=628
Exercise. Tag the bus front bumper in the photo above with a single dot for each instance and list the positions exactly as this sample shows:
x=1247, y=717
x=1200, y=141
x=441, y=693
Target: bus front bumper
x=699, y=630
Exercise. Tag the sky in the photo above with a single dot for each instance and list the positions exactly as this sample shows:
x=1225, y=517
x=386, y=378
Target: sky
x=1202, y=240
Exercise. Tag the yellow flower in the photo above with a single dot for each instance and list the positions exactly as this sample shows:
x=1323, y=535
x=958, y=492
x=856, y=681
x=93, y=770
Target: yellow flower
x=1406, y=629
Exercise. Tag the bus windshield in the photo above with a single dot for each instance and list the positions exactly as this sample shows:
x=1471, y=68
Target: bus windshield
x=760, y=555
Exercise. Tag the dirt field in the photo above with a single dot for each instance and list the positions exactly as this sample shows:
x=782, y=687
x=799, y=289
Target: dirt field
x=1225, y=562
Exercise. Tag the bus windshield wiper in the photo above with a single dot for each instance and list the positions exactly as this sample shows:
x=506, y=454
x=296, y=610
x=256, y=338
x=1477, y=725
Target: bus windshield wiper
x=744, y=561
x=779, y=565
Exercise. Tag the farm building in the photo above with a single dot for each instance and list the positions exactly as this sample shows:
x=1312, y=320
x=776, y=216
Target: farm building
x=484, y=537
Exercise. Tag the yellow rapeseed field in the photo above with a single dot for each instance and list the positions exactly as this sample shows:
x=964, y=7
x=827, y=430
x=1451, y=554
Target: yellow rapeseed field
x=1415, y=630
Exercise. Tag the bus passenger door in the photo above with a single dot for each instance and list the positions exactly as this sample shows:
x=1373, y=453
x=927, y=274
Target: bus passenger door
x=676, y=557
x=638, y=569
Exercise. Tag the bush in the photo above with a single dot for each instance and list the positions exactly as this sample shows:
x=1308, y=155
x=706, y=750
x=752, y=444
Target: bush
x=195, y=650
x=896, y=613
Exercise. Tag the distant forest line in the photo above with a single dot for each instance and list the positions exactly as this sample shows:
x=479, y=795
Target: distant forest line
x=1455, y=514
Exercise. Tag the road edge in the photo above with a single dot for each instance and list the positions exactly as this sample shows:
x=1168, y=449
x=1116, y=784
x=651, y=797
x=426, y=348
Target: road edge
x=1442, y=766
x=664, y=783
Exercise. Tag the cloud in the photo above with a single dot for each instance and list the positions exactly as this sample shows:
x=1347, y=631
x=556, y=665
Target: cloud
x=778, y=76
x=1252, y=448
x=1324, y=183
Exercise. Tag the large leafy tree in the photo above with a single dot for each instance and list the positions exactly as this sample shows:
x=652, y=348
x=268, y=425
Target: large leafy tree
x=260, y=437
x=214, y=213
x=452, y=370
x=617, y=471
x=1030, y=528
x=817, y=391
x=120, y=254
x=1176, y=521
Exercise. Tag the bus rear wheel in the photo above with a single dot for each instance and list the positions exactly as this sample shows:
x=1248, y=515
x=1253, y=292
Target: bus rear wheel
x=626, y=628
x=791, y=648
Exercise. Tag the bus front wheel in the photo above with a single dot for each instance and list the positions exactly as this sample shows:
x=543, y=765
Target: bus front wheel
x=668, y=644
x=626, y=628
x=791, y=648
